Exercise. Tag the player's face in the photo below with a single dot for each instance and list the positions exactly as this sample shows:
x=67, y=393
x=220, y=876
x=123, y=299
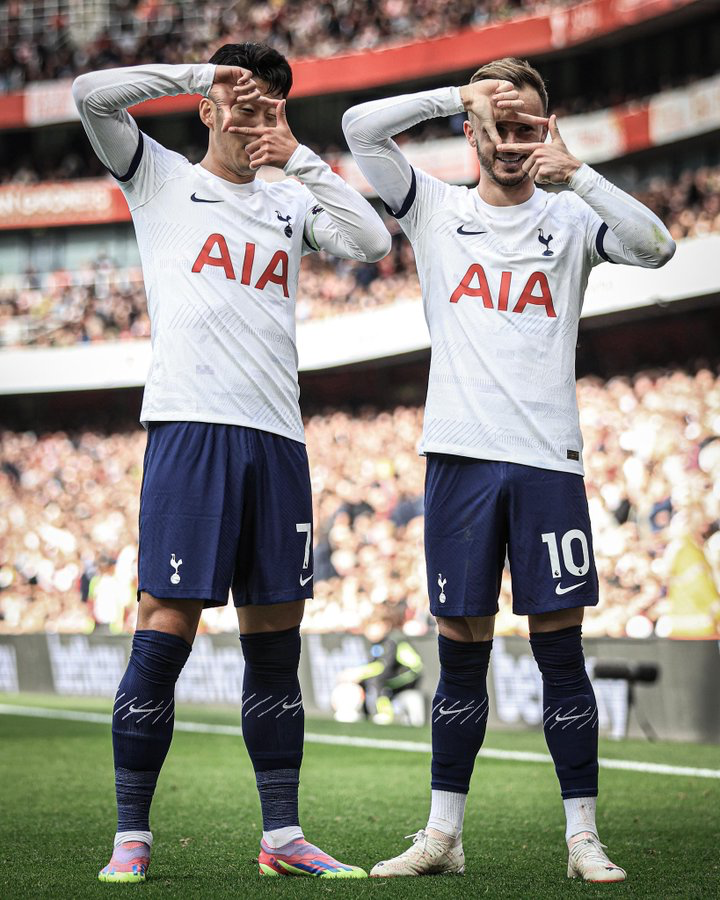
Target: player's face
x=230, y=148
x=505, y=169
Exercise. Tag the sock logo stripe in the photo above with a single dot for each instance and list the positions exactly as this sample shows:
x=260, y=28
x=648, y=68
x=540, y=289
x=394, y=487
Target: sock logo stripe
x=120, y=708
x=271, y=708
x=259, y=703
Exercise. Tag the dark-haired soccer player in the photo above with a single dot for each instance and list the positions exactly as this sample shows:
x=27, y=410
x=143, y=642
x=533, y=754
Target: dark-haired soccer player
x=226, y=491
x=503, y=270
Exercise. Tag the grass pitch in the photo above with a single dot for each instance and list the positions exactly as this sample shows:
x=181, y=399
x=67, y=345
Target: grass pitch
x=357, y=803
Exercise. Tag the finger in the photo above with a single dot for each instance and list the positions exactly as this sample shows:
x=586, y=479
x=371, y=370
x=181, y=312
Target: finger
x=534, y=173
x=505, y=95
x=255, y=132
x=520, y=148
x=503, y=87
x=527, y=119
x=281, y=117
x=254, y=147
x=269, y=101
x=261, y=159
x=492, y=132
x=531, y=161
x=508, y=104
x=554, y=130
x=248, y=91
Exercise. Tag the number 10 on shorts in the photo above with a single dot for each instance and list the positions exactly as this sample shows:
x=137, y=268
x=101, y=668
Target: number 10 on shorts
x=566, y=547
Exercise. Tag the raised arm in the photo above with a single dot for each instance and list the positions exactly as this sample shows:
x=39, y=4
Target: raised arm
x=347, y=226
x=369, y=129
x=103, y=97
x=634, y=234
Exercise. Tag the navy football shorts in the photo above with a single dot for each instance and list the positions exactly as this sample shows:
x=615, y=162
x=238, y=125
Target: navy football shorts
x=477, y=512
x=225, y=506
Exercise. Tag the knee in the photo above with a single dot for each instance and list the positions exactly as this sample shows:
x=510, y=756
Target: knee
x=273, y=656
x=559, y=656
x=464, y=664
x=158, y=657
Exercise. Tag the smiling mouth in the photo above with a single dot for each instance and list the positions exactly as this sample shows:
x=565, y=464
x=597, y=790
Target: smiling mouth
x=509, y=158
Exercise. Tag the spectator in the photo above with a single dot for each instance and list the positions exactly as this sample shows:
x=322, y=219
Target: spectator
x=68, y=515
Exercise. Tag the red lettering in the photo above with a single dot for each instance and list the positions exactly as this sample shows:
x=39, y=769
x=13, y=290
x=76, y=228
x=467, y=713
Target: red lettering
x=465, y=286
x=543, y=299
x=248, y=263
x=204, y=258
x=280, y=258
x=504, y=291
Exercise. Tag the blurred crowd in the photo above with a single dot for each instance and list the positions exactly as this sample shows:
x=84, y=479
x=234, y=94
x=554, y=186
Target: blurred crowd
x=69, y=509
x=40, y=40
x=104, y=302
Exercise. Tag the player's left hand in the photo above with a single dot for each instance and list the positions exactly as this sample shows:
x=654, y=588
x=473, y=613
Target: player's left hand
x=272, y=146
x=547, y=163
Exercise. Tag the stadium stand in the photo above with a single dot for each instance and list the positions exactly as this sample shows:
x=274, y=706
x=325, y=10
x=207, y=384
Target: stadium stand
x=37, y=42
x=69, y=491
x=652, y=458
x=102, y=302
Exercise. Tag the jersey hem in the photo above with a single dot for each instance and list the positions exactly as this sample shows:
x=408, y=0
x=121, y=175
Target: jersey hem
x=471, y=453
x=210, y=419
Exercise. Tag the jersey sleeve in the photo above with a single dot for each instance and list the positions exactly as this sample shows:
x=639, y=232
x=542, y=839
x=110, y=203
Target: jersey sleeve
x=424, y=196
x=152, y=166
x=619, y=228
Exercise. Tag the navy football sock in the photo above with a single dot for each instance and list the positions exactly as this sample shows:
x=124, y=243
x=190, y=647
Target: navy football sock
x=570, y=716
x=273, y=721
x=142, y=723
x=459, y=712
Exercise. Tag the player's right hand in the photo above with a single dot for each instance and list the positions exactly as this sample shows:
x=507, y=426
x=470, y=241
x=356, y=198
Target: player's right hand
x=489, y=100
x=233, y=85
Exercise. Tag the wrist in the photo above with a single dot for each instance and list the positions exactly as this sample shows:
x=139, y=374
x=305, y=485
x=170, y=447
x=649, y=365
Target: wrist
x=572, y=169
x=466, y=94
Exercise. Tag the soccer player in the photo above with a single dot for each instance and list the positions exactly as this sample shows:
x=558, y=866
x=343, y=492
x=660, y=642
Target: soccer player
x=503, y=269
x=226, y=492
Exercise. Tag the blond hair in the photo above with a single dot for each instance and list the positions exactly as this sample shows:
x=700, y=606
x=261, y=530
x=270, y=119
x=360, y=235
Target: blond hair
x=517, y=71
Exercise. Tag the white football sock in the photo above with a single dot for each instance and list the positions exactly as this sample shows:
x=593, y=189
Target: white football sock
x=278, y=837
x=122, y=837
x=447, y=810
x=580, y=815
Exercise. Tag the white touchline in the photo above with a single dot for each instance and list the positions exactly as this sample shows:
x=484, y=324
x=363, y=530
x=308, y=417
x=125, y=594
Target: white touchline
x=339, y=740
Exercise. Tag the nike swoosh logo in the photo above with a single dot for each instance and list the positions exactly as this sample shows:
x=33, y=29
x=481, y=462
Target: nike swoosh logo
x=292, y=705
x=461, y=230
x=304, y=581
x=452, y=712
x=560, y=590
x=144, y=709
x=571, y=718
x=196, y=199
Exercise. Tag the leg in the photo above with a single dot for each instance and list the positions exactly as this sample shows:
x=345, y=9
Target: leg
x=142, y=726
x=272, y=716
x=273, y=728
x=464, y=647
x=465, y=532
x=554, y=578
x=273, y=578
x=570, y=723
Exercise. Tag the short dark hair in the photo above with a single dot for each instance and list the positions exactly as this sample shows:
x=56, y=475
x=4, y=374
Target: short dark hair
x=518, y=72
x=263, y=61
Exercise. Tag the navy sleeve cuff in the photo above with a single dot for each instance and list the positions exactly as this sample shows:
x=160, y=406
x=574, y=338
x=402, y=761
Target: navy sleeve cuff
x=599, y=242
x=407, y=202
x=135, y=161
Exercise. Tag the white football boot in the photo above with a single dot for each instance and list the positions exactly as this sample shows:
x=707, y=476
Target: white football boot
x=427, y=856
x=588, y=859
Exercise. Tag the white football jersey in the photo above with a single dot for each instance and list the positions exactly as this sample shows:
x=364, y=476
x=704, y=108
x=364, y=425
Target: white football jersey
x=503, y=289
x=220, y=263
